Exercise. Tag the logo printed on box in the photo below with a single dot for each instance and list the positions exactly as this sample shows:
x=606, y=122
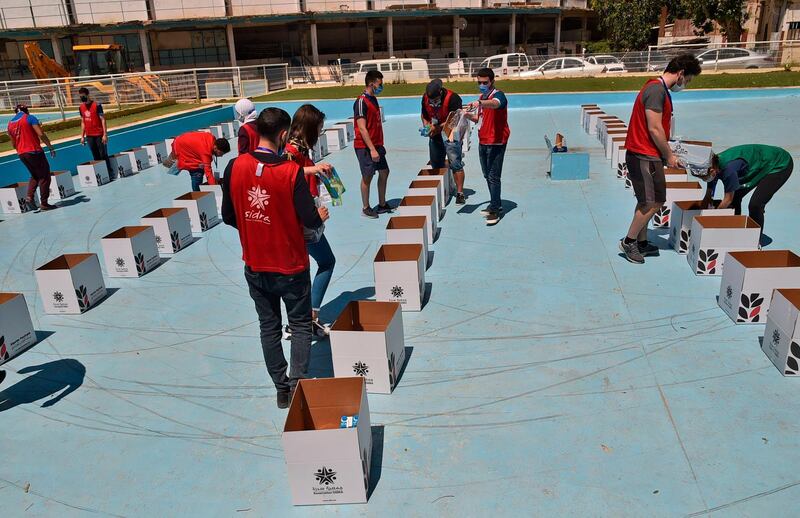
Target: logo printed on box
x=120, y=262
x=326, y=477
x=793, y=360
x=397, y=292
x=176, y=241
x=58, y=297
x=750, y=308
x=360, y=369
x=83, y=298
x=707, y=261
x=141, y=268
x=203, y=221
x=776, y=341
x=3, y=351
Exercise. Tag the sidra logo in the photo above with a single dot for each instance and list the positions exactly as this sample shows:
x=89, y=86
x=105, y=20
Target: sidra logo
x=360, y=369
x=729, y=292
x=397, y=292
x=325, y=476
x=58, y=296
x=120, y=262
x=258, y=198
x=776, y=337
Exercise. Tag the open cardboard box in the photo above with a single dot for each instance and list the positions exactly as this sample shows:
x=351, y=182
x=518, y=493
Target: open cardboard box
x=214, y=130
x=71, y=283
x=122, y=165
x=584, y=109
x=367, y=341
x=336, y=138
x=327, y=464
x=156, y=152
x=601, y=124
x=618, y=158
x=62, y=186
x=712, y=237
x=93, y=174
x=781, y=341
x=677, y=191
x=12, y=197
x=217, y=190
x=349, y=128
x=439, y=176
x=427, y=188
x=202, y=207
x=130, y=251
x=400, y=275
x=588, y=115
x=168, y=145
x=749, y=278
x=421, y=206
x=140, y=160
x=228, y=130
x=680, y=222
x=16, y=328
x=409, y=230
x=615, y=140
x=172, y=228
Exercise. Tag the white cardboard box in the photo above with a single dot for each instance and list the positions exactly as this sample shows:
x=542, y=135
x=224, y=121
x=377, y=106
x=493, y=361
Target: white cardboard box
x=202, y=207
x=781, y=341
x=749, y=278
x=71, y=283
x=172, y=228
x=93, y=174
x=16, y=328
x=335, y=138
x=156, y=152
x=140, y=159
x=584, y=109
x=591, y=121
x=587, y=116
x=419, y=187
x=122, y=165
x=618, y=135
x=217, y=190
x=400, y=275
x=618, y=159
x=367, y=341
x=432, y=174
x=168, y=145
x=13, y=197
x=677, y=191
x=421, y=206
x=600, y=125
x=713, y=237
x=214, y=130
x=680, y=222
x=130, y=251
x=349, y=128
x=228, y=130
x=62, y=186
x=409, y=230
x=327, y=464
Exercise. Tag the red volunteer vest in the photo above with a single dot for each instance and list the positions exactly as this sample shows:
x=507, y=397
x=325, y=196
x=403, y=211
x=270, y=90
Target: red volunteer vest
x=494, y=128
x=270, y=233
x=25, y=139
x=91, y=120
x=304, y=161
x=374, y=125
x=639, y=140
x=442, y=111
x=253, y=137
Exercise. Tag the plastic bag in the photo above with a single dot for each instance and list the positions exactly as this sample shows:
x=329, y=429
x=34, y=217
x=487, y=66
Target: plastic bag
x=334, y=186
x=696, y=157
x=313, y=235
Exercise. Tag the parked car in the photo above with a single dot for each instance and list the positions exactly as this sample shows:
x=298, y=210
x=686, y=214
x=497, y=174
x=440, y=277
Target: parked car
x=565, y=67
x=507, y=64
x=612, y=63
x=731, y=57
x=393, y=70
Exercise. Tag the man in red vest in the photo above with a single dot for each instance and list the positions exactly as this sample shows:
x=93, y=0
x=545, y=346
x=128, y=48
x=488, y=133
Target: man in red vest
x=93, y=128
x=437, y=103
x=368, y=144
x=492, y=108
x=266, y=197
x=194, y=152
x=25, y=133
x=647, y=145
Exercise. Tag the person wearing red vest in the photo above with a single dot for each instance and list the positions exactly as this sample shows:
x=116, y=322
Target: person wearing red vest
x=647, y=145
x=368, y=144
x=492, y=109
x=26, y=133
x=248, y=138
x=194, y=152
x=93, y=129
x=437, y=103
x=266, y=198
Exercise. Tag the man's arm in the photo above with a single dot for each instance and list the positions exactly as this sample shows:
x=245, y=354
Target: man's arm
x=304, y=206
x=207, y=159
x=43, y=137
x=102, y=116
x=362, y=128
x=228, y=210
x=727, y=200
x=83, y=131
x=659, y=136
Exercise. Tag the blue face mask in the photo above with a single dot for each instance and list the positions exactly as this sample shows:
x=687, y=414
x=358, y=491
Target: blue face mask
x=484, y=89
x=378, y=89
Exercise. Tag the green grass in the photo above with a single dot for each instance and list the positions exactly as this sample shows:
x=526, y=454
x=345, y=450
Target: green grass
x=578, y=84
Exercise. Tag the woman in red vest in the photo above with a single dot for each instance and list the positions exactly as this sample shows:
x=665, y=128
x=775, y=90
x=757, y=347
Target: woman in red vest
x=93, y=128
x=25, y=133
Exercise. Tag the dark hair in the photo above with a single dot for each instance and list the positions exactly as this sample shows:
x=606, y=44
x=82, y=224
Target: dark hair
x=485, y=72
x=372, y=75
x=83, y=90
x=271, y=121
x=434, y=88
x=715, y=161
x=21, y=108
x=305, y=124
x=223, y=145
x=686, y=62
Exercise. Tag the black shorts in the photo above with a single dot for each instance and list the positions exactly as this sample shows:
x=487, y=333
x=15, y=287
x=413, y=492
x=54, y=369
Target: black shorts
x=647, y=178
x=369, y=166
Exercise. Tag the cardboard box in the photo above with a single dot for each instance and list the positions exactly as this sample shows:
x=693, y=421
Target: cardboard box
x=214, y=130
x=168, y=145
x=712, y=237
x=228, y=130
x=13, y=196
x=421, y=206
x=680, y=222
x=327, y=464
x=217, y=190
x=601, y=124
x=584, y=109
x=400, y=275
x=618, y=158
x=349, y=128
x=61, y=186
x=781, y=341
x=335, y=138
x=172, y=228
x=610, y=128
x=677, y=191
x=441, y=174
x=139, y=158
x=93, y=174
x=591, y=120
x=16, y=328
x=409, y=230
x=587, y=116
x=367, y=341
x=427, y=188
x=130, y=251
x=749, y=278
x=156, y=152
x=71, y=284
x=615, y=135
x=122, y=165
x=202, y=207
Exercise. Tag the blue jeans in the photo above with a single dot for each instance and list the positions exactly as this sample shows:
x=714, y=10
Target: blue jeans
x=323, y=255
x=455, y=155
x=197, y=176
x=491, y=158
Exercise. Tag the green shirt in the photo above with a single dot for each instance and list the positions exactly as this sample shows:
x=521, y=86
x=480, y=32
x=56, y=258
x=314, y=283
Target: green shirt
x=761, y=159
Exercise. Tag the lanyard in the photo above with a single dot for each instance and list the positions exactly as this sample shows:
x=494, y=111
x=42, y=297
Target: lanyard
x=664, y=84
x=266, y=150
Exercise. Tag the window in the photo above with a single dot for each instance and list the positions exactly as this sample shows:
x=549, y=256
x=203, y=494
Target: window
x=395, y=66
x=385, y=67
x=408, y=65
x=495, y=63
x=367, y=67
x=552, y=65
x=710, y=55
x=573, y=63
x=513, y=61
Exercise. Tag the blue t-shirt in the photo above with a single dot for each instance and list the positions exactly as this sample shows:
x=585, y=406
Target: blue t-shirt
x=730, y=176
x=500, y=96
x=31, y=119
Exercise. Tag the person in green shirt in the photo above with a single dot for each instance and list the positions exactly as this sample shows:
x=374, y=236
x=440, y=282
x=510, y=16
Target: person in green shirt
x=750, y=167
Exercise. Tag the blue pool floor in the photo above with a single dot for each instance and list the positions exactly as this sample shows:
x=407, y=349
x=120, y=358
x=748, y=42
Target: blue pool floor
x=547, y=376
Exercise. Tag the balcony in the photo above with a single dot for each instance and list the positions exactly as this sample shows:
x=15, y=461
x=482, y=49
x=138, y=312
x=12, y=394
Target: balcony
x=92, y=11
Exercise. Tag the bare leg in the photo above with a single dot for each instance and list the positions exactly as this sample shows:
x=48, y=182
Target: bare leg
x=641, y=217
x=365, y=183
x=383, y=179
x=459, y=176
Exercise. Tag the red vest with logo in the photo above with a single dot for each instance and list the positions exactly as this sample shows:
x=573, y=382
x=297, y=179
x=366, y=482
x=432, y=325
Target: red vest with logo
x=639, y=140
x=494, y=128
x=250, y=130
x=25, y=139
x=374, y=125
x=269, y=230
x=91, y=120
x=442, y=111
x=304, y=161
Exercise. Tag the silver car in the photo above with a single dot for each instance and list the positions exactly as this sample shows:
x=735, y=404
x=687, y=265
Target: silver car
x=732, y=57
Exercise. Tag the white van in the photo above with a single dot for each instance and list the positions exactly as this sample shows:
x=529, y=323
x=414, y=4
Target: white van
x=506, y=64
x=393, y=70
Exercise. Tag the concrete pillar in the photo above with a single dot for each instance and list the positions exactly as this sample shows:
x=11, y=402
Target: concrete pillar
x=584, y=27
x=231, y=44
x=390, y=36
x=456, y=38
x=370, y=39
x=144, y=43
x=56, y=50
x=557, y=41
x=430, y=34
x=512, y=33
x=314, y=46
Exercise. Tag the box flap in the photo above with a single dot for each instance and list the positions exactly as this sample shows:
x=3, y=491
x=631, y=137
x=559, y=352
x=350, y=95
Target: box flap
x=767, y=258
x=726, y=222
x=431, y=172
x=792, y=295
x=194, y=195
x=424, y=184
x=399, y=252
x=366, y=315
x=65, y=262
x=5, y=297
x=420, y=201
x=164, y=213
x=126, y=232
x=406, y=222
x=697, y=143
x=319, y=404
x=683, y=185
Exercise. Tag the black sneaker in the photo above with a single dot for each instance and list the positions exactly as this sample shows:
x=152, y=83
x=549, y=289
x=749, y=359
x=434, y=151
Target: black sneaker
x=493, y=218
x=648, y=250
x=487, y=211
x=319, y=330
x=30, y=206
x=631, y=251
x=384, y=209
x=283, y=399
x=369, y=213
x=460, y=198
x=47, y=206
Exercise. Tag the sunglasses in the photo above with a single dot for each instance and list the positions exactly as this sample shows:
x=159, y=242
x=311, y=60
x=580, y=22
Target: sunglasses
x=484, y=82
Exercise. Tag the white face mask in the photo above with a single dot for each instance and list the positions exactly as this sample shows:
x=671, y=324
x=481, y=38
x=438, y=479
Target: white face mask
x=678, y=87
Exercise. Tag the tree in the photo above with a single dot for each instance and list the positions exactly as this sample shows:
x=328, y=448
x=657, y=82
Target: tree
x=730, y=15
x=628, y=23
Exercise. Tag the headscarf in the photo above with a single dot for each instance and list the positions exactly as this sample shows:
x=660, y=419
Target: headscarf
x=245, y=111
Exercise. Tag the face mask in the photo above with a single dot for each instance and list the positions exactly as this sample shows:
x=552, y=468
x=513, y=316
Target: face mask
x=484, y=89
x=436, y=102
x=84, y=98
x=677, y=87
x=378, y=89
